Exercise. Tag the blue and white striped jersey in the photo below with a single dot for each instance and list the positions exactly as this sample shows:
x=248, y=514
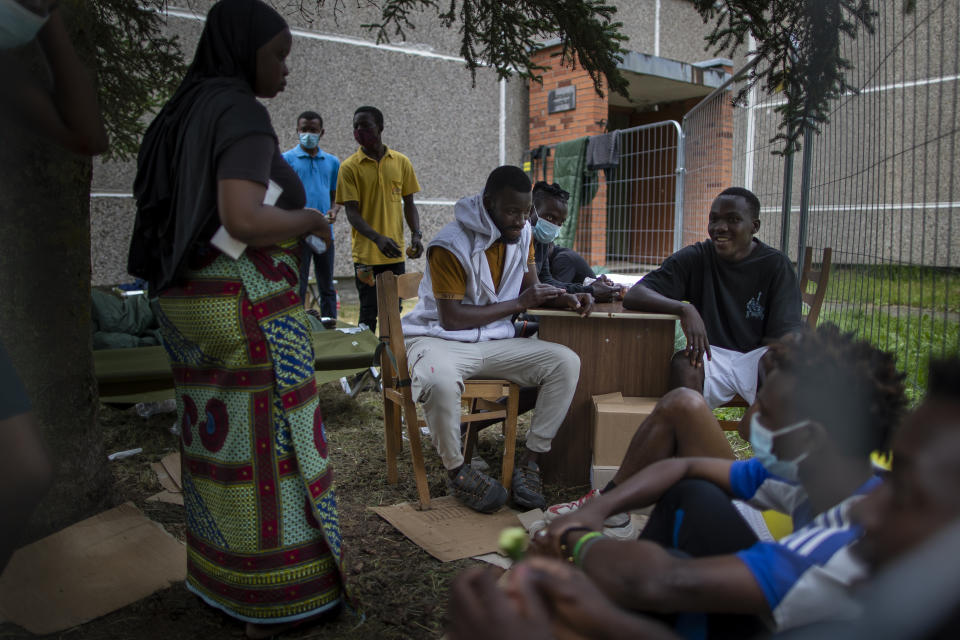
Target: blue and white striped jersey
x=805, y=576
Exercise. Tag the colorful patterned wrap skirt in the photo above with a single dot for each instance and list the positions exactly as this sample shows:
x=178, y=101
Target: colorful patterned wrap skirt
x=263, y=538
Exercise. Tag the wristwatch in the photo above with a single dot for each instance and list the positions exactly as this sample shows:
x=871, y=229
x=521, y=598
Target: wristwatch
x=416, y=234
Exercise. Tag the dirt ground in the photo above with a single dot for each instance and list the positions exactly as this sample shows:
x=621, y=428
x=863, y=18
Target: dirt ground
x=401, y=589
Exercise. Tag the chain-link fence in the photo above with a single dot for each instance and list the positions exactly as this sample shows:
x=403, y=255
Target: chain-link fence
x=879, y=184
x=628, y=217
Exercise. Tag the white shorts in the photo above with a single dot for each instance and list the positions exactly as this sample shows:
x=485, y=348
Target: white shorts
x=730, y=373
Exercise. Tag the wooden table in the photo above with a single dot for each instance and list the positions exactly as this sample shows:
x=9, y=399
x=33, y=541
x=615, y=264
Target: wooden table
x=620, y=350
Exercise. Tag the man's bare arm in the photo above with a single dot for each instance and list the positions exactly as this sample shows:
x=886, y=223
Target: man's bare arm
x=456, y=315
x=412, y=216
x=643, y=576
x=640, y=490
x=385, y=244
x=642, y=298
x=70, y=114
x=335, y=208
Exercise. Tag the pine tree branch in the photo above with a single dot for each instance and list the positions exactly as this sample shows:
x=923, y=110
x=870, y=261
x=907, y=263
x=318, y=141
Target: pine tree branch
x=799, y=44
x=504, y=34
x=138, y=67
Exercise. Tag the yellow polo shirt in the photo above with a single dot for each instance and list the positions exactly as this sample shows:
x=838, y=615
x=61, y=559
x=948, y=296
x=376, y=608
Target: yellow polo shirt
x=379, y=187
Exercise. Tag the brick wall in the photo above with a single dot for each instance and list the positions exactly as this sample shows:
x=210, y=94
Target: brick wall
x=641, y=202
x=587, y=119
x=709, y=165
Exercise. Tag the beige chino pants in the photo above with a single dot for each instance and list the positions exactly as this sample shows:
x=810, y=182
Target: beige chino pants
x=438, y=368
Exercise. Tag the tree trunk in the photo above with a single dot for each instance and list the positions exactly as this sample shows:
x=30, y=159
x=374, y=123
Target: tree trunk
x=45, y=315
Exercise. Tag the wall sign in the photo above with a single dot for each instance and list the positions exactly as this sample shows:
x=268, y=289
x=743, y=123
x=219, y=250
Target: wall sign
x=562, y=99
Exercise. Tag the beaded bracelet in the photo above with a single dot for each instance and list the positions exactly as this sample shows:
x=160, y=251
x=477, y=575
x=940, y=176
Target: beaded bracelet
x=583, y=544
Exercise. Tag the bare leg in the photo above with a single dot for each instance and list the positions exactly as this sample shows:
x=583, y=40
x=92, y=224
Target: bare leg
x=684, y=374
x=25, y=476
x=681, y=425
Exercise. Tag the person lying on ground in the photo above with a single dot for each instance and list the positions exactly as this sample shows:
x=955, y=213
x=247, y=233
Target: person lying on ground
x=734, y=295
x=480, y=272
x=829, y=403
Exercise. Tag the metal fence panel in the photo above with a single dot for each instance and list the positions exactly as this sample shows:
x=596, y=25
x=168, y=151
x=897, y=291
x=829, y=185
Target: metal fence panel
x=881, y=187
x=629, y=215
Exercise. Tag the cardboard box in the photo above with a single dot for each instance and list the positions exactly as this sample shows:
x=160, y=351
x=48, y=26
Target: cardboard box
x=615, y=420
x=600, y=476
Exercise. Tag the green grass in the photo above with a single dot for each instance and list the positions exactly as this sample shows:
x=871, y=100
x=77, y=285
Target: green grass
x=929, y=327
x=912, y=338
x=882, y=285
x=350, y=311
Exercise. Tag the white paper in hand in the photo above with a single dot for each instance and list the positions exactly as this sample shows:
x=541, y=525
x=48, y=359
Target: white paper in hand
x=230, y=245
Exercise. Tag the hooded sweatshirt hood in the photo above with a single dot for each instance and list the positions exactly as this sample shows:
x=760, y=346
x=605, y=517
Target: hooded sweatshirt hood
x=472, y=215
x=468, y=237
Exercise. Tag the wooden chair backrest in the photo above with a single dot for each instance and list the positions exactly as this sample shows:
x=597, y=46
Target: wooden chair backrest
x=390, y=290
x=820, y=278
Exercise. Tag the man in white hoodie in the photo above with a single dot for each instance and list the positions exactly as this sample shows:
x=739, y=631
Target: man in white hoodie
x=480, y=272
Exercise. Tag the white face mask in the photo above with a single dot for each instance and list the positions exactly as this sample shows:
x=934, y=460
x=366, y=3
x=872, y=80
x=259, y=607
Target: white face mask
x=18, y=25
x=544, y=231
x=309, y=140
x=761, y=439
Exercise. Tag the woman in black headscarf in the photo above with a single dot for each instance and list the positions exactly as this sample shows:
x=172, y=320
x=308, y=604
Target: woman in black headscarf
x=262, y=531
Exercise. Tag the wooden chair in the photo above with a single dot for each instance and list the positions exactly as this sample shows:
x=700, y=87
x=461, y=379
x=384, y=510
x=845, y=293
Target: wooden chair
x=398, y=398
x=814, y=300
x=819, y=279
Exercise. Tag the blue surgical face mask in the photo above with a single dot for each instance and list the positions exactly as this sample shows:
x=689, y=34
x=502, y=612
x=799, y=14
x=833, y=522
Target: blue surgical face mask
x=545, y=232
x=309, y=140
x=761, y=439
x=18, y=25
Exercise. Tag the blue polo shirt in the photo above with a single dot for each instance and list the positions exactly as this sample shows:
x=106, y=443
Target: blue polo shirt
x=317, y=173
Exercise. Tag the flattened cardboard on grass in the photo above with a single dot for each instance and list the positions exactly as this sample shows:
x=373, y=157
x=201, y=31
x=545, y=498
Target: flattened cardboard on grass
x=168, y=497
x=448, y=530
x=89, y=569
x=168, y=473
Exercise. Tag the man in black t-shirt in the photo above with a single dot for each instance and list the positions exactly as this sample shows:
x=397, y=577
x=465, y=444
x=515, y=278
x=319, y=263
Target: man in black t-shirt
x=733, y=294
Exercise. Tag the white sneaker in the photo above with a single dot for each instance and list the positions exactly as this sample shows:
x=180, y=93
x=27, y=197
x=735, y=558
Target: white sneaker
x=618, y=526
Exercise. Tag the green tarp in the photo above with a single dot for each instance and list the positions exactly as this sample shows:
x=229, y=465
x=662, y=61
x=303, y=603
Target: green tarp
x=570, y=172
x=141, y=373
